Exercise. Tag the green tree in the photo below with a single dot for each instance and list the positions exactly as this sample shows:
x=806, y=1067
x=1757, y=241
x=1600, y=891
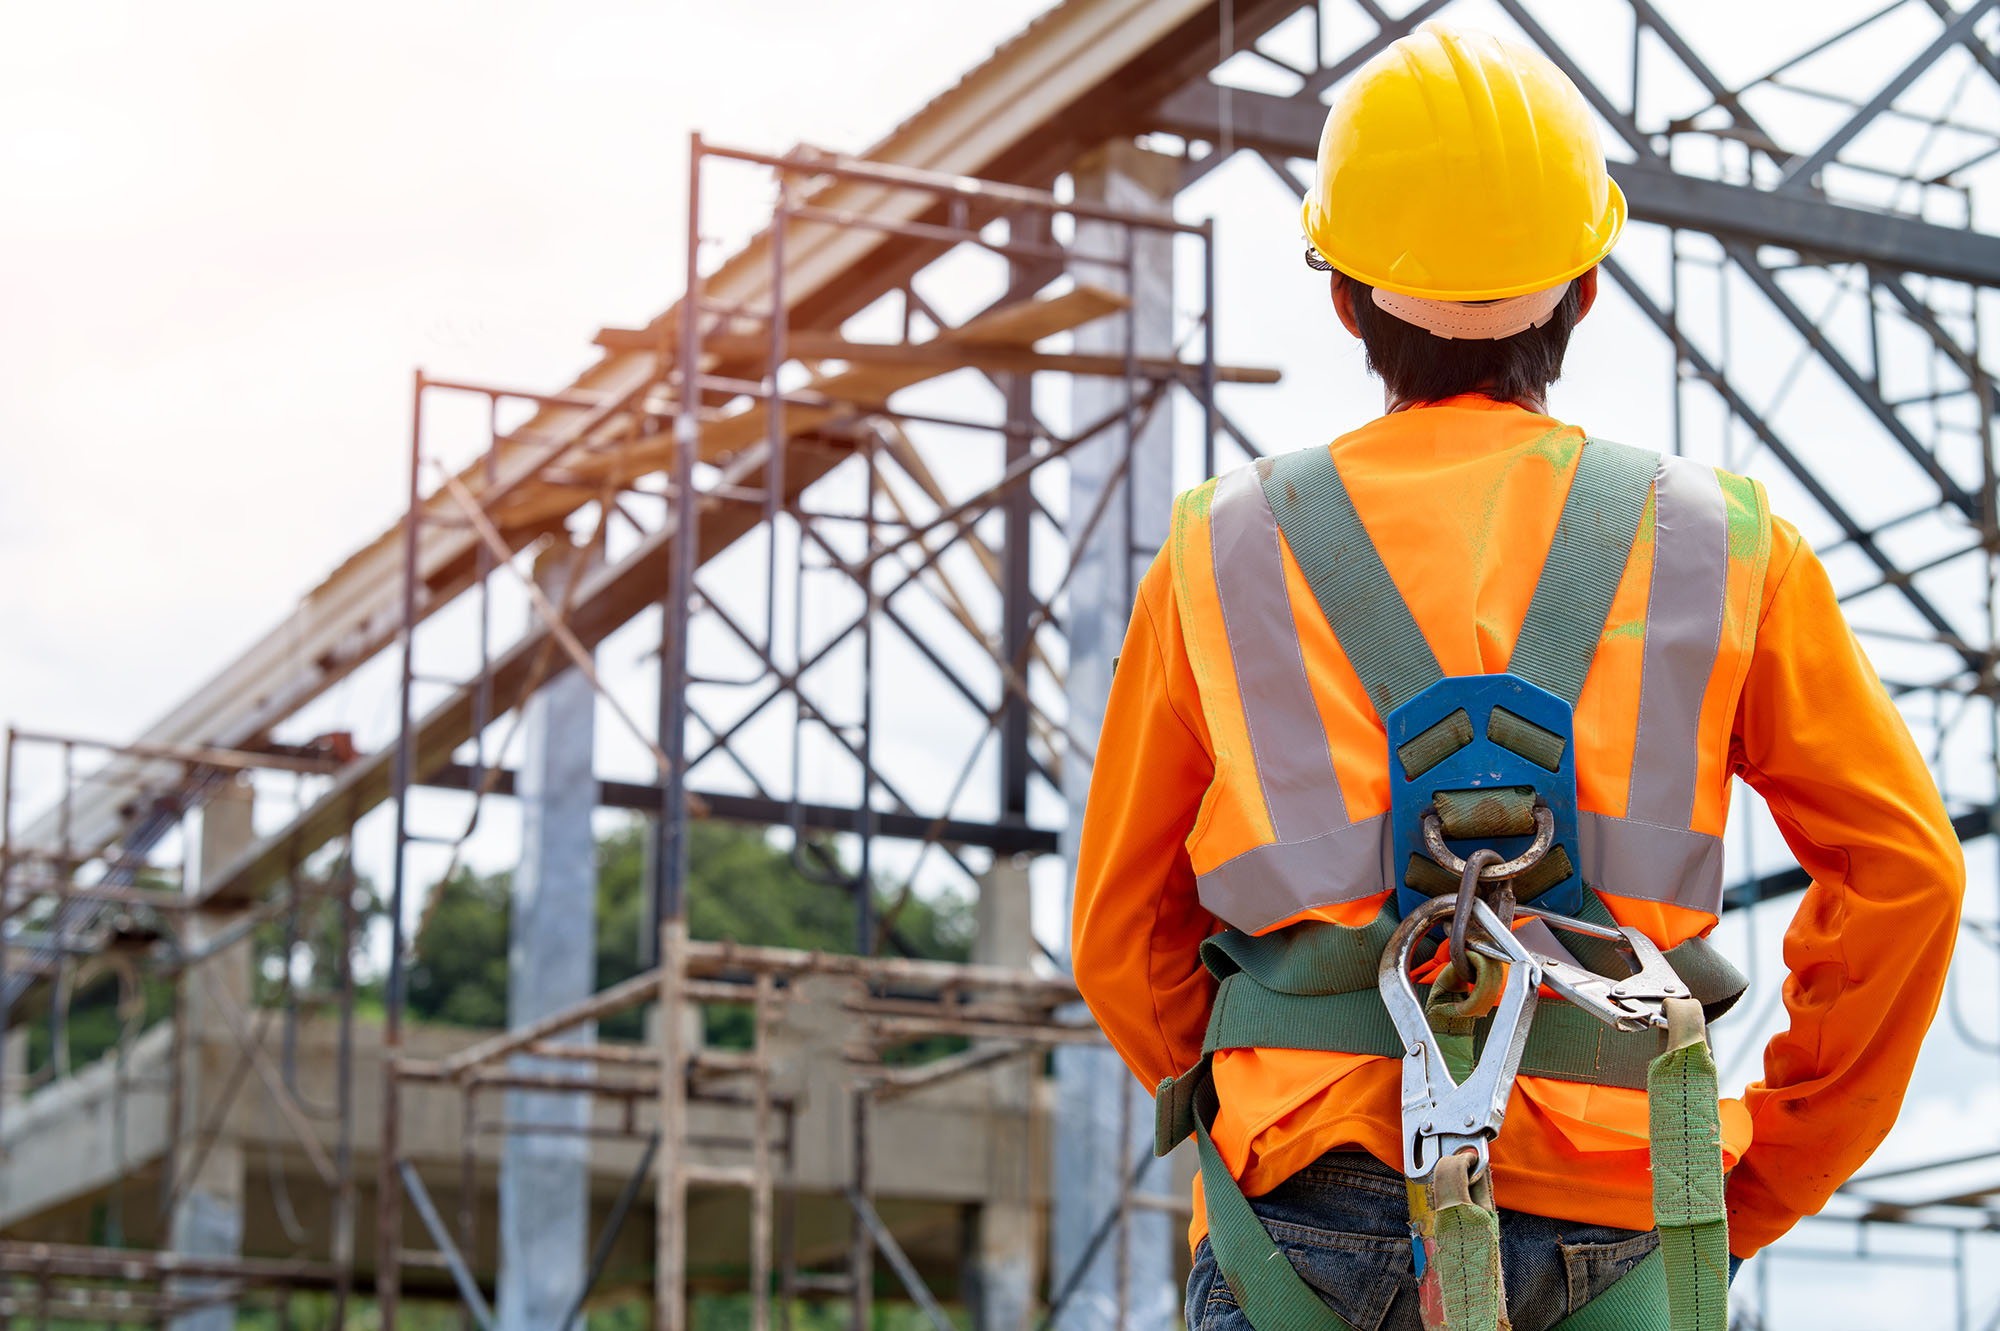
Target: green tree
x=741, y=887
x=458, y=975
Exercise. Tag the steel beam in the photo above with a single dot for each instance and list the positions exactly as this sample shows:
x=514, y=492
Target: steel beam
x=1799, y=175
x=1816, y=229
x=1005, y=838
x=1865, y=392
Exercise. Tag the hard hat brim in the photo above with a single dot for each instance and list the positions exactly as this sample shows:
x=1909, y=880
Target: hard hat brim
x=1610, y=226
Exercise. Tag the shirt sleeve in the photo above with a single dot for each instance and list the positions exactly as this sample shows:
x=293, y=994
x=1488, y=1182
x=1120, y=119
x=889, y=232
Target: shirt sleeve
x=1818, y=737
x=1137, y=922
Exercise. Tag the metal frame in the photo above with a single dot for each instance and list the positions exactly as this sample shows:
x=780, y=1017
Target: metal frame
x=900, y=556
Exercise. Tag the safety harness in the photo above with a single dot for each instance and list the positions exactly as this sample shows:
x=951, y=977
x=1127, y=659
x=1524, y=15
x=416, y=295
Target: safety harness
x=1483, y=824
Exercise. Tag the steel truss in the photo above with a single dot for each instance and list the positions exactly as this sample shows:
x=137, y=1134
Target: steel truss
x=789, y=430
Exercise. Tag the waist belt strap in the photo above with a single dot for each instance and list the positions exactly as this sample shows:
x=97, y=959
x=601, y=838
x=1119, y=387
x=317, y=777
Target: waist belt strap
x=1264, y=1282
x=1563, y=1042
x=1302, y=988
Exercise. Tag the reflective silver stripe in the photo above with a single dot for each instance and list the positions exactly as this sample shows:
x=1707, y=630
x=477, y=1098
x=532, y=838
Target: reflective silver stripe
x=1684, y=612
x=1267, y=884
x=1629, y=858
x=1286, y=737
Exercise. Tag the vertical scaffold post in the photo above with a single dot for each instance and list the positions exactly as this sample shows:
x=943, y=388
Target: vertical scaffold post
x=7, y=908
x=343, y=1201
x=670, y=861
x=760, y=1160
x=388, y=1186
x=774, y=460
x=1208, y=409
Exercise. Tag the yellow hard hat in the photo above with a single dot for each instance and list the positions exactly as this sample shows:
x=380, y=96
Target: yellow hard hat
x=1457, y=166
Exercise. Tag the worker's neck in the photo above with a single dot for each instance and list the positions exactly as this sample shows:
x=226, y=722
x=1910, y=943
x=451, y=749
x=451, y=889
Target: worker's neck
x=1391, y=404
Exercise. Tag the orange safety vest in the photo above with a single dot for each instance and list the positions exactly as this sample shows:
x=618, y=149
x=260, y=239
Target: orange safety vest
x=1295, y=818
x=1294, y=824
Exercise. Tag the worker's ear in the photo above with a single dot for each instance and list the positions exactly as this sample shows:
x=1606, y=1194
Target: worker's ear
x=1586, y=290
x=1343, y=304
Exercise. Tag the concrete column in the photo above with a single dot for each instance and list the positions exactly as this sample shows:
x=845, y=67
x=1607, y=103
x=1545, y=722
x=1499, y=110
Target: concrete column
x=14, y=1066
x=1001, y=1261
x=208, y=1219
x=1103, y=1116
x=551, y=965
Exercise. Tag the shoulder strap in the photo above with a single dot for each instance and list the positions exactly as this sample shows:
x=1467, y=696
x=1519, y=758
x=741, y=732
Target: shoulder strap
x=1369, y=616
x=1593, y=543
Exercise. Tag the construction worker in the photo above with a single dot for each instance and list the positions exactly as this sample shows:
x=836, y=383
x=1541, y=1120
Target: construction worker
x=1462, y=665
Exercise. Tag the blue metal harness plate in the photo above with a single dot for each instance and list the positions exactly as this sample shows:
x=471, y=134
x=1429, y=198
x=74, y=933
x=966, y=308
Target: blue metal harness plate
x=1483, y=764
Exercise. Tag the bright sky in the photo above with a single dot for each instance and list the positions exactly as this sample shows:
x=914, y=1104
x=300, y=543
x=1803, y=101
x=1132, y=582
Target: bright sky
x=228, y=231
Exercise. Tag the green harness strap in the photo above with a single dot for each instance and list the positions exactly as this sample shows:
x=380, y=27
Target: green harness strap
x=1370, y=618
x=1683, y=1285
x=1260, y=1276
x=1593, y=543
x=1372, y=622
x=1685, y=1128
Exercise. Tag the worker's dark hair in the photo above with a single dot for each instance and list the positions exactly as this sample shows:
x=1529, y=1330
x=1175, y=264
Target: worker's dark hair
x=1418, y=366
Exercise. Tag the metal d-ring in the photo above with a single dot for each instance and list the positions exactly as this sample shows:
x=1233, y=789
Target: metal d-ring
x=1545, y=837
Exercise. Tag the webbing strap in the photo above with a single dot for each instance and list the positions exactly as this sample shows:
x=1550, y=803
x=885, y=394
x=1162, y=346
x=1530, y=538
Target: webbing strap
x=1636, y=1301
x=1369, y=616
x=1685, y=1129
x=1310, y=957
x=1461, y=1286
x=1593, y=543
x=1564, y=1042
x=1267, y=1288
x=1248, y=1016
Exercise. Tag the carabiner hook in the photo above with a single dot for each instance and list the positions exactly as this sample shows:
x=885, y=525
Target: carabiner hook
x=1441, y=1116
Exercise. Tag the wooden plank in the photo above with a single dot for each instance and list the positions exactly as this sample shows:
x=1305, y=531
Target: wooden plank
x=806, y=344
x=1018, y=325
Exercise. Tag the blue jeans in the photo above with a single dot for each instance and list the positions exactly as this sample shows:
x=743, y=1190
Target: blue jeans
x=1344, y=1221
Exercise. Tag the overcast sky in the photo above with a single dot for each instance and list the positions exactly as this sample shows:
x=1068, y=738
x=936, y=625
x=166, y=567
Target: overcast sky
x=228, y=232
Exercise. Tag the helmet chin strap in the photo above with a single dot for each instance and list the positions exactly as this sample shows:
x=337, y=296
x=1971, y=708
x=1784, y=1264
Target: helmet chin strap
x=1474, y=320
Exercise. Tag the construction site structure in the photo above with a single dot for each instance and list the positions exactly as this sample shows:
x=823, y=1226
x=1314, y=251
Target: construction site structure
x=890, y=575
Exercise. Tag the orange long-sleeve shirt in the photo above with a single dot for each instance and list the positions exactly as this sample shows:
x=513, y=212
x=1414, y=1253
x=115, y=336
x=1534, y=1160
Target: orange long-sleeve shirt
x=1815, y=734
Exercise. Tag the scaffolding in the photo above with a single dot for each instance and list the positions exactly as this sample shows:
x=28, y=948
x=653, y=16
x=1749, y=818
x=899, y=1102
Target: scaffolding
x=741, y=453
x=80, y=913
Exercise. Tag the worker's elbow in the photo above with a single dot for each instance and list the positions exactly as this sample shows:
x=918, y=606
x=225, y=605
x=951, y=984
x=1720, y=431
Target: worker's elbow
x=1086, y=965
x=1948, y=856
